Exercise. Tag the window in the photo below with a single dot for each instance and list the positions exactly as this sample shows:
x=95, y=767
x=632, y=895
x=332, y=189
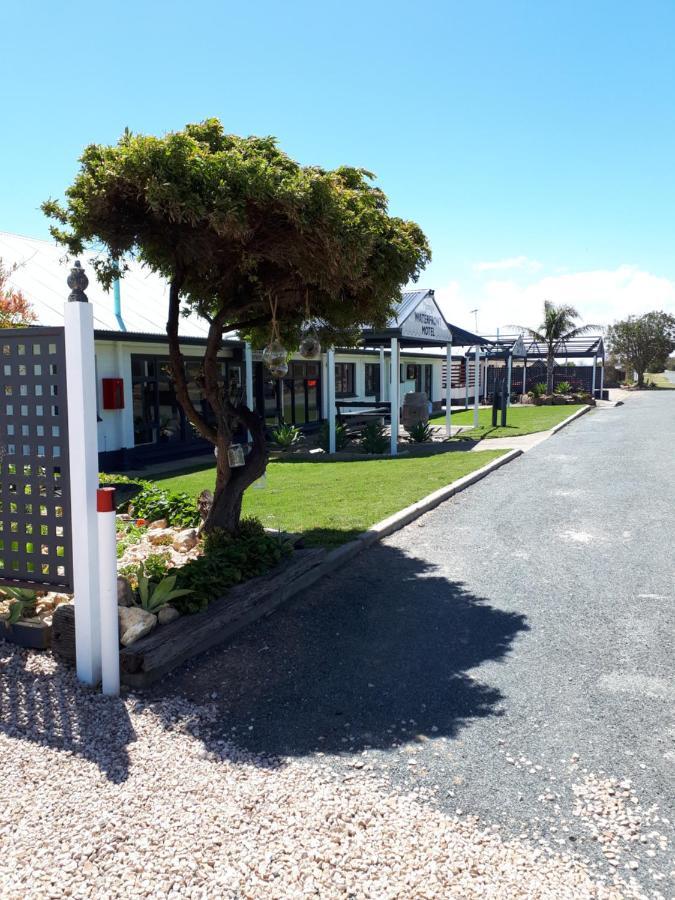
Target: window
x=158, y=417
x=344, y=379
x=372, y=379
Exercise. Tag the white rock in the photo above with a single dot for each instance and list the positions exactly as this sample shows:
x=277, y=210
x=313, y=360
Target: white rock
x=139, y=630
x=129, y=616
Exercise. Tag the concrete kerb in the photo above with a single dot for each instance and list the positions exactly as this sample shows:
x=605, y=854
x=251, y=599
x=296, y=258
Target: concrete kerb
x=576, y=415
x=403, y=517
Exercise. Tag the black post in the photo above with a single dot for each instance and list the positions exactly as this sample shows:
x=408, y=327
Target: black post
x=504, y=404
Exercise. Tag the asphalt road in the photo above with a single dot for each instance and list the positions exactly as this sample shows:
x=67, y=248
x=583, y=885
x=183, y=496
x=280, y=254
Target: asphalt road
x=507, y=655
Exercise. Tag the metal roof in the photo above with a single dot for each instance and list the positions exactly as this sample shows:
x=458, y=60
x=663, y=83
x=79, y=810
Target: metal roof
x=409, y=302
x=586, y=345
x=41, y=276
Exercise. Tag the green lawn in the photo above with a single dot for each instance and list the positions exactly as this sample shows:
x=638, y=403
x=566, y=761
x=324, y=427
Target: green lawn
x=661, y=381
x=520, y=419
x=332, y=502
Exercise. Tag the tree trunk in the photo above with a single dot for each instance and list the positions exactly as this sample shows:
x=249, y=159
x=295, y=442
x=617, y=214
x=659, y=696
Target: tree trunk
x=550, y=364
x=231, y=483
x=640, y=378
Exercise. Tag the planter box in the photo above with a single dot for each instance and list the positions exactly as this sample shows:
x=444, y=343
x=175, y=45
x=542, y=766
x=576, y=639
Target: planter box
x=27, y=634
x=168, y=646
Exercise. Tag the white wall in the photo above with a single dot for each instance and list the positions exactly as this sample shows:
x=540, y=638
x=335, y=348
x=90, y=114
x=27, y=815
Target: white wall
x=113, y=360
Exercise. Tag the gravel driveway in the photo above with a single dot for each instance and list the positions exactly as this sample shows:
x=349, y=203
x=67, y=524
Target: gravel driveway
x=478, y=707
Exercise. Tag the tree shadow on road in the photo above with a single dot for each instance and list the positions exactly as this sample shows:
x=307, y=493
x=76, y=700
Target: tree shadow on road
x=373, y=656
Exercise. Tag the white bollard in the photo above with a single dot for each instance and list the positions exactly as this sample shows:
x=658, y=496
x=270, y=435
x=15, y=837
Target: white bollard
x=107, y=557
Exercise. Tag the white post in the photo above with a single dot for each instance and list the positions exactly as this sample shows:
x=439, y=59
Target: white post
x=107, y=550
x=602, y=378
x=83, y=450
x=394, y=396
x=383, y=377
x=331, y=399
x=476, y=385
x=595, y=361
x=525, y=375
x=509, y=370
x=448, y=389
x=248, y=365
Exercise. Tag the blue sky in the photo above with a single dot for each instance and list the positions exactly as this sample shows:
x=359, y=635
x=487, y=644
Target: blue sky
x=533, y=141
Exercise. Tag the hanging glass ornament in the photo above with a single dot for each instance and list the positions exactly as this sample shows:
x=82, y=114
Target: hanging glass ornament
x=310, y=345
x=274, y=356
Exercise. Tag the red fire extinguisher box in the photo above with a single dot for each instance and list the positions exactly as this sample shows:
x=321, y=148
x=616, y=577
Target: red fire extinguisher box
x=113, y=393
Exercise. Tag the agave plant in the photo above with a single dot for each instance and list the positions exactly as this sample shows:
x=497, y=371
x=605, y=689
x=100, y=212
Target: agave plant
x=155, y=596
x=420, y=433
x=22, y=599
x=285, y=436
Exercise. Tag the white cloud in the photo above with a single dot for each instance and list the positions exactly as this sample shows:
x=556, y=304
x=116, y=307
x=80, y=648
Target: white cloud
x=601, y=296
x=513, y=262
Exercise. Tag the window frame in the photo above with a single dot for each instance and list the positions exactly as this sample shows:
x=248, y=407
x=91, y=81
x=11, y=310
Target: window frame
x=349, y=369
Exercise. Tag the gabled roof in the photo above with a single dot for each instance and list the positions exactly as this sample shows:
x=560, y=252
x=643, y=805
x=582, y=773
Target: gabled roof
x=42, y=277
x=401, y=326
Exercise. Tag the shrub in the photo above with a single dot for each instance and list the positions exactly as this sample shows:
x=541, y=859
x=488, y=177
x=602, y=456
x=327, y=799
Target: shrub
x=420, y=433
x=227, y=560
x=539, y=390
x=154, y=502
x=374, y=438
x=341, y=437
x=563, y=387
x=285, y=436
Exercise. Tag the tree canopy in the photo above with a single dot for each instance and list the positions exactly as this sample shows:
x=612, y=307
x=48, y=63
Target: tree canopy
x=249, y=239
x=236, y=222
x=643, y=342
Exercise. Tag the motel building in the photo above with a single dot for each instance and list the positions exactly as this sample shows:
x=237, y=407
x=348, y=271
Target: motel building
x=139, y=419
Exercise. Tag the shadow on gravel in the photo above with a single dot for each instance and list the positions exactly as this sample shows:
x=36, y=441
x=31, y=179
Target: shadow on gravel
x=375, y=655
x=49, y=707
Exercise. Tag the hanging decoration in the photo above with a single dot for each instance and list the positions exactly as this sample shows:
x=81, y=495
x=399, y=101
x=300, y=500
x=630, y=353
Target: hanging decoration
x=275, y=355
x=235, y=456
x=310, y=345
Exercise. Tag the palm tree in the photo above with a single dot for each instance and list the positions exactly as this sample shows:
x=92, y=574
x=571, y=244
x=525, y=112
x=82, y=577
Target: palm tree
x=558, y=327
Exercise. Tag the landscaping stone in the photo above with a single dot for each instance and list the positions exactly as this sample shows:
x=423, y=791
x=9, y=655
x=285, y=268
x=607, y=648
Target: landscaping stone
x=125, y=596
x=135, y=623
x=159, y=523
x=186, y=540
x=166, y=615
x=160, y=536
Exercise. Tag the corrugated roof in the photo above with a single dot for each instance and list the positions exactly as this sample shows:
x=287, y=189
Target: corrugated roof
x=409, y=301
x=42, y=277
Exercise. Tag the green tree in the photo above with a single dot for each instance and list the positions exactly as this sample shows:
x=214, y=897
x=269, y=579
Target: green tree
x=251, y=241
x=557, y=329
x=643, y=342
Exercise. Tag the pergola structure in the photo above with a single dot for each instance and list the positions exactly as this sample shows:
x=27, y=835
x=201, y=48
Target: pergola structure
x=500, y=348
x=521, y=346
x=417, y=323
